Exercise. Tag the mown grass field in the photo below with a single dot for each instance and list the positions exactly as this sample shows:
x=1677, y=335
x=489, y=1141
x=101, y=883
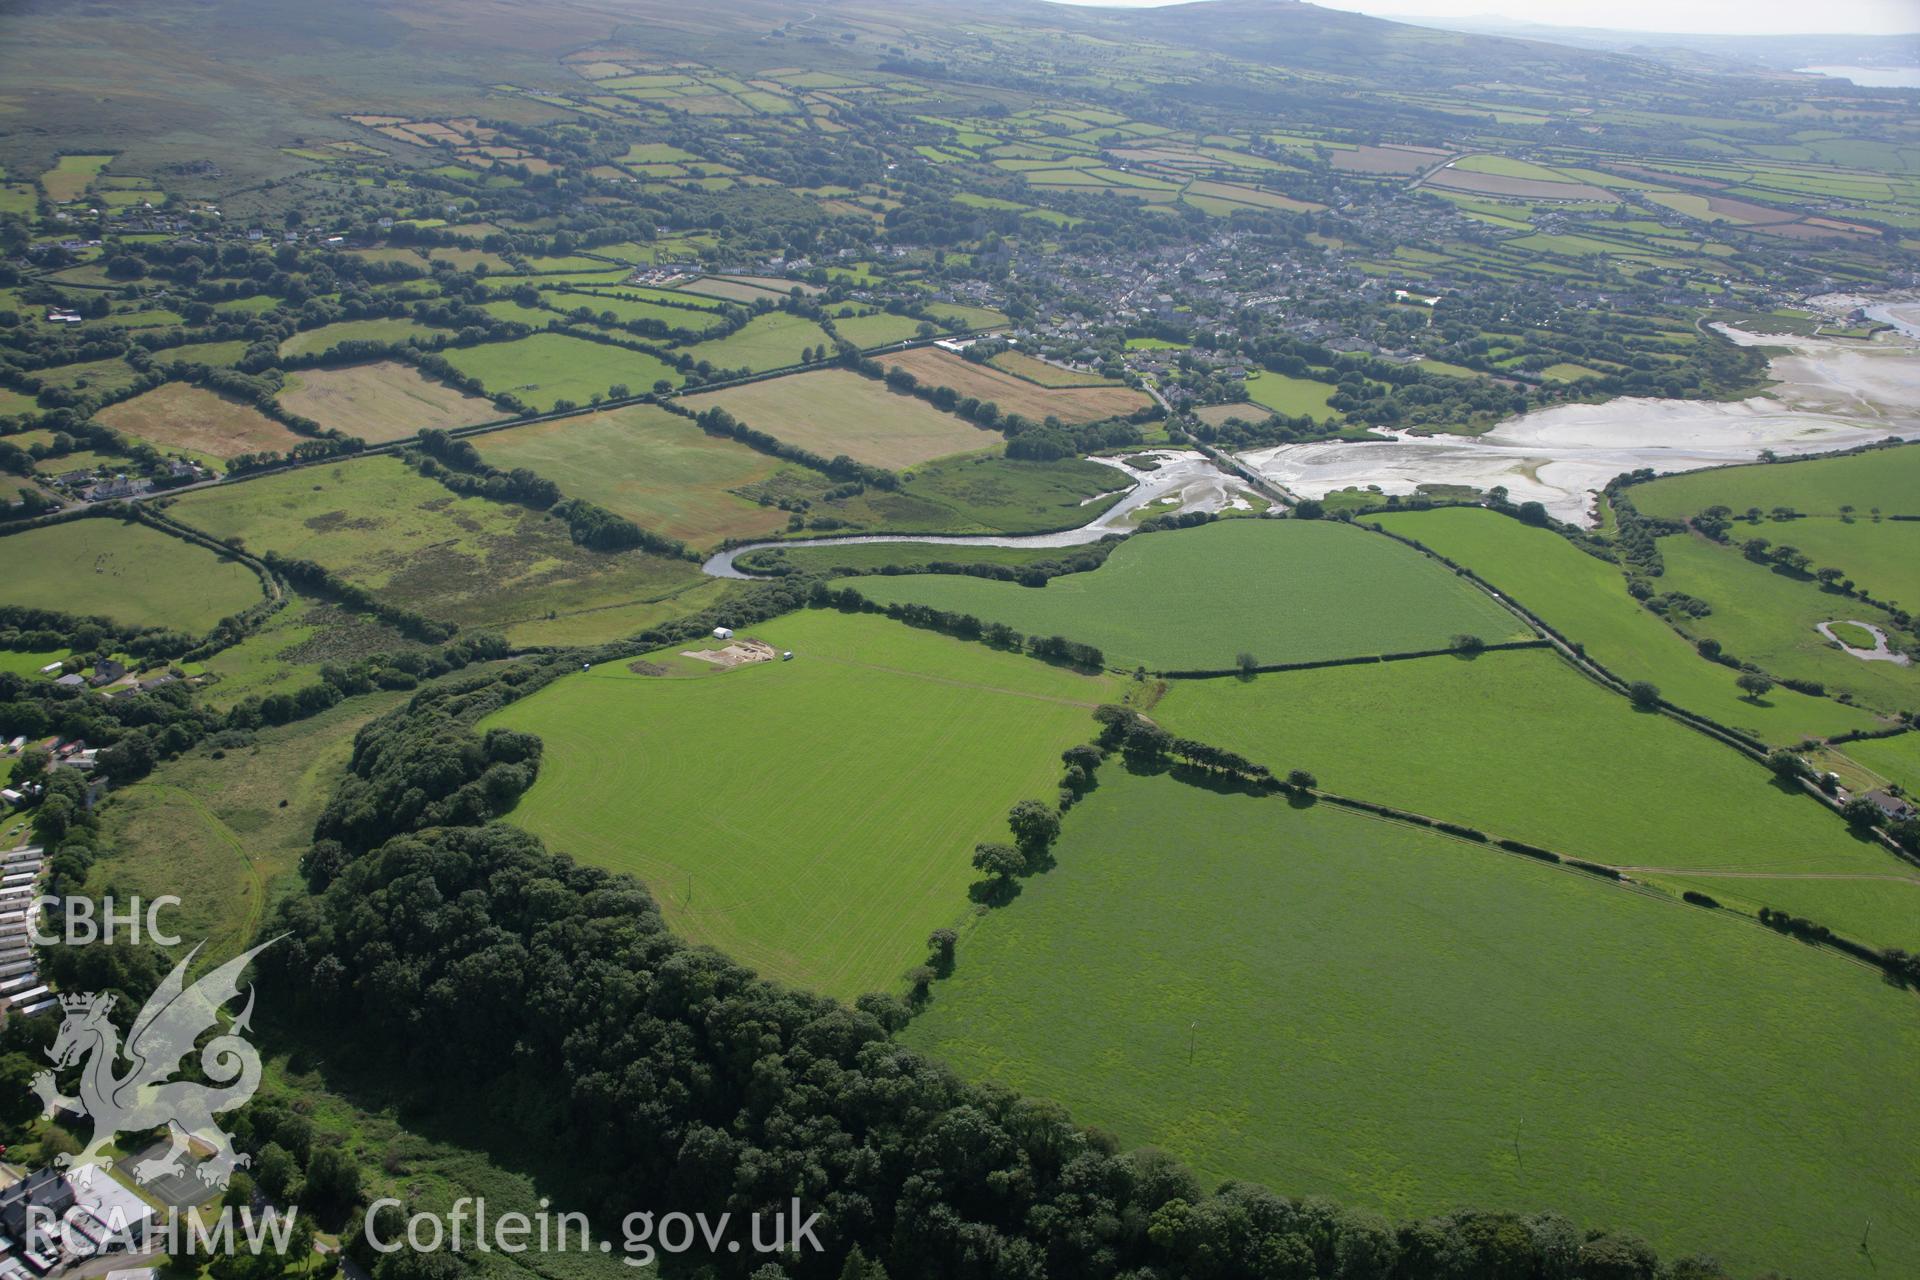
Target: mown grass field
x=1885, y=478
x=126, y=572
x=1047, y=374
x=225, y=835
x=466, y=560
x=833, y=411
x=382, y=401
x=27, y=662
x=771, y=341
x=1335, y=1005
x=1282, y=590
x=654, y=467
x=178, y=415
x=547, y=368
x=1768, y=616
x=812, y=818
x=1586, y=600
x=1521, y=745
x=329, y=336
x=937, y=368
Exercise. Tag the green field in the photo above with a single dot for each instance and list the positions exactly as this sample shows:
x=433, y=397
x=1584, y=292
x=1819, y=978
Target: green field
x=1893, y=759
x=653, y=467
x=1335, y=1005
x=466, y=560
x=1521, y=745
x=771, y=341
x=1586, y=600
x=546, y=368
x=225, y=834
x=877, y=330
x=329, y=336
x=1767, y=617
x=27, y=662
x=1290, y=396
x=1882, y=557
x=1885, y=478
x=811, y=818
x=1282, y=590
x=126, y=572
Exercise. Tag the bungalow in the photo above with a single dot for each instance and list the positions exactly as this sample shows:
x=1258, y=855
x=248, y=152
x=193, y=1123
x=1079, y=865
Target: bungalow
x=1894, y=807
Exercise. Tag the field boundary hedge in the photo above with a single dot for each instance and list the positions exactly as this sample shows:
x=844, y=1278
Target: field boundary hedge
x=1359, y=660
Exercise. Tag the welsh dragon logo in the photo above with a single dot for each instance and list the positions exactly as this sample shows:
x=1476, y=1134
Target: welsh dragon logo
x=145, y=1096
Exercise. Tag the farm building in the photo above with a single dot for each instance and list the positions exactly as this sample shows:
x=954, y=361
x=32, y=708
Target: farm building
x=723, y=633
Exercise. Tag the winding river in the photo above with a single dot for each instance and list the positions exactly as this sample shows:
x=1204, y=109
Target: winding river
x=1184, y=481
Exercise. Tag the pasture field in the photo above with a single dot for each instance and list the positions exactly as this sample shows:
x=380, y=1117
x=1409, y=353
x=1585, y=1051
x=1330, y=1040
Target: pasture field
x=465, y=560
x=1335, y=1005
x=1880, y=910
x=1282, y=590
x=834, y=411
x=382, y=401
x=1885, y=478
x=771, y=341
x=546, y=368
x=1765, y=616
x=937, y=368
x=877, y=330
x=1585, y=599
x=127, y=572
x=593, y=624
x=1892, y=759
x=1521, y=745
x=653, y=467
x=109, y=375
x=329, y=336
x=970, y=316
x=179, y=415
x=1291, y=396
x=71, y=176
x=1021, y=365
x=213, y=353
x=625, y=310
x=1882, y=556
x=225, y=835
x=814, y=818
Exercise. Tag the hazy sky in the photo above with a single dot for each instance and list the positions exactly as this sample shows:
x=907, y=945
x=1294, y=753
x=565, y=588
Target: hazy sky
x=1743, y=17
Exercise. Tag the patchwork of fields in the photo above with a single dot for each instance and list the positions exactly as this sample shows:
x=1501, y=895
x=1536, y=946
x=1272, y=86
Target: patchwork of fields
x=1282, y=591
x=1335, y=1005
x=815, y=817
